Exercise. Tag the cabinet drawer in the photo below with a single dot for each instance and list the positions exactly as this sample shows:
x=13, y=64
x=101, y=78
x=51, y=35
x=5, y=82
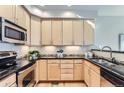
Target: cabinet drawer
x=78, y=61
x=66, y=71
x=66, y=76
x=8, y=81
x=66, y=65
x=53, y=61
x=67, y=61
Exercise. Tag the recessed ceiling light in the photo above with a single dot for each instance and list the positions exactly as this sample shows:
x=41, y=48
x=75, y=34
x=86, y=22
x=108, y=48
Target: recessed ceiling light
x=42, y=5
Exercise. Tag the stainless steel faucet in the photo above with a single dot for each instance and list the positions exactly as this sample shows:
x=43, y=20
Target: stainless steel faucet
x=109, y=49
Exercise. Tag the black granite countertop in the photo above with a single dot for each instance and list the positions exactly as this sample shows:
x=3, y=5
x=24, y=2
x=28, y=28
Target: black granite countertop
x=21, y=64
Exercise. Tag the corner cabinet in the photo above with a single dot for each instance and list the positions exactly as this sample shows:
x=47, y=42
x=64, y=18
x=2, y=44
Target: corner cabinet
x=91, y=74
x=88, y=33
x=78, y=32
x=35, y=31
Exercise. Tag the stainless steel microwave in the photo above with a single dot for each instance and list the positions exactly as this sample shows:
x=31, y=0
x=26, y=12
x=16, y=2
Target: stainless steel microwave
x=11, y=32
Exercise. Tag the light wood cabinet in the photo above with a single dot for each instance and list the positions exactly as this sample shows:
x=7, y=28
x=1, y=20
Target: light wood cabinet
x=106, y=83
x=87, y=74
x=53, y=70
x=42, y=66
x=20, y=16
x=28, y=20
x=78, y=70
x=91, y=74
x=8, y=81
x=94, y=79
x=56, y=32
x=35, y=31
x=78, y=32
x=88, y=33
x=46, y=32
x=67, y=32
x=8, y=12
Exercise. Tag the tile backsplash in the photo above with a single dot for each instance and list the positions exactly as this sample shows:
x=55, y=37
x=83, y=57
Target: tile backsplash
x=67, y=49
x=20, y=49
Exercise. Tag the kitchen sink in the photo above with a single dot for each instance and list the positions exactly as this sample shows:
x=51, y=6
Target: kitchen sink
x=103, y=62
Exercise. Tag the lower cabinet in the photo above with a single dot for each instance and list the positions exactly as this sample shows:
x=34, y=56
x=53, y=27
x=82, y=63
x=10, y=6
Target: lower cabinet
x=41, y=70
x=53, y=70
x=78, y=70
x=106, y=83
x=91, y=74
x=9, y=81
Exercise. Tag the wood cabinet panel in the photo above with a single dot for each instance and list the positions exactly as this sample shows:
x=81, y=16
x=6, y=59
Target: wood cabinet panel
x=46, y=32
x=53, y=71
x=87, y=75
x=42, y=66
x=94, y=79
x=66, y=76
x=35, y=31
x=105, y=83
x=88, y=33
x=20, y=16
x=57, y=32
x=78, y=72
x=66, y=71
x=67, y=32
x=78, y=32
x=8, y=12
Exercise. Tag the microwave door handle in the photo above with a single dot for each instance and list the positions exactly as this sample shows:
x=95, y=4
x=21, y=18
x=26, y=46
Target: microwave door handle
x=25, y=36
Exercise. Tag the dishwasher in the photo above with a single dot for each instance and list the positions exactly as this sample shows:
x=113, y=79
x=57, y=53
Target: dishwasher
x=113, y=78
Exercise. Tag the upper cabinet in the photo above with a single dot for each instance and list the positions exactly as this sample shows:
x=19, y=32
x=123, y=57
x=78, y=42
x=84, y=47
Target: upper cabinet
x=35, y=31
x=27, y=26
x=56, y=32
x=78, y=32
x=88, y=33
x=7, y=11
x=14, y=13
x=46, y=38
x=20, y=17
x=67, y=32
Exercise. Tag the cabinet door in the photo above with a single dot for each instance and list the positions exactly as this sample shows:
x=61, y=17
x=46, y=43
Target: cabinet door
x=35, y=31
x=53, y=71
x=78, y=71
x=105, y=83
x=78, y=32
x=20, y=16
x=67, y=32
x=8, y=12
x=46, y=32
x=57, y=32
x=28, y=27
x=94, y=79
x=42, y=66
x=88, y=33
x=86, y=75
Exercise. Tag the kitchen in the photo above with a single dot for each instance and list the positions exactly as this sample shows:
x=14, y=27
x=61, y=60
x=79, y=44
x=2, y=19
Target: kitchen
x=61, y=46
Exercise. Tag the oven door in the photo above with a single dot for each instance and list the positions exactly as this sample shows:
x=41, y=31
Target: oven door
x=26, y=78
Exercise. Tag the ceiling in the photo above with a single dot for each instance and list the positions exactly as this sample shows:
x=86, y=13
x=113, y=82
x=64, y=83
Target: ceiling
x=81, y=11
